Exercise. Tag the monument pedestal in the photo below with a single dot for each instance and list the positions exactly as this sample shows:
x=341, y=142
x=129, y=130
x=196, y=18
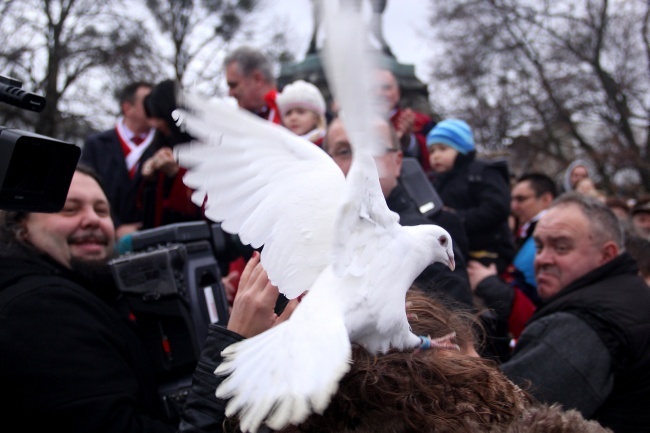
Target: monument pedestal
x=413, y=91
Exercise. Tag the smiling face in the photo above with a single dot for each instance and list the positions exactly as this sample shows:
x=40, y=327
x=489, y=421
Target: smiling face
x=566, y=249
x=82, y=230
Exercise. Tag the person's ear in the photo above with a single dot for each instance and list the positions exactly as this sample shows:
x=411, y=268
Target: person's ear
x=21, y=233
x=257, y=76
x=609, y=251
x=125, y=106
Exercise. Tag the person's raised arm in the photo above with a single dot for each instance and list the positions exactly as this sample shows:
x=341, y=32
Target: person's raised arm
x=252, y=313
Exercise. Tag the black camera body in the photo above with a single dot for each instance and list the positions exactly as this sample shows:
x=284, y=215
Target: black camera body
x=172, y=283
x=35, y=171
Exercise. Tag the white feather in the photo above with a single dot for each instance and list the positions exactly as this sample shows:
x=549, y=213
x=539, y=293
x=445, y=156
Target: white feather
x=321, y=232
x=267, y=185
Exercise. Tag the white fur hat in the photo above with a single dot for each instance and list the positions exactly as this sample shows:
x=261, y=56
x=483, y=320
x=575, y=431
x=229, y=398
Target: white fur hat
x=300, y=93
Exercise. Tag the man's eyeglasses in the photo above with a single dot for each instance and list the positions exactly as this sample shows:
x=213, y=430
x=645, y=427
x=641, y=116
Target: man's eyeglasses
x=344, y=153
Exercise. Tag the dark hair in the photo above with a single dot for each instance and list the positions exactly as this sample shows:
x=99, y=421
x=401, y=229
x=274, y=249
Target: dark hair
x=540, y=183
x=127, y=94
x=11, y=222
x=250, y=60
x=617, y=202
x=160, y=104
x=642, y=205
x=161, y=101
x=544, y=418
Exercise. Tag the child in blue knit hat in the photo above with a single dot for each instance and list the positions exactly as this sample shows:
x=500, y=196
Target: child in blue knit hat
x=449, y=138
x=476, y=190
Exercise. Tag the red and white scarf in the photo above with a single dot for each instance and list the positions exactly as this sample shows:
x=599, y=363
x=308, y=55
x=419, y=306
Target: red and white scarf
x=132, y=151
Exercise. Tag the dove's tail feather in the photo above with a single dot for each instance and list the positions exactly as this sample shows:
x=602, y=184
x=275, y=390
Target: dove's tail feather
x=282, y=375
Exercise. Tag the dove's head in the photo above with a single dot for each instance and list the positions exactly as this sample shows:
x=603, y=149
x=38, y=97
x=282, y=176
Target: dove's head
x=436, y=244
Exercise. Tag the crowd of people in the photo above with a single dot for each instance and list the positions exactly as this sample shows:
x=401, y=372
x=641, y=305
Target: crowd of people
x=548, y=302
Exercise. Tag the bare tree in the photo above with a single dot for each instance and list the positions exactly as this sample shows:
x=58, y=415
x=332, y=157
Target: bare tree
x=198, y=31
x=557, y=80
x=61, y=48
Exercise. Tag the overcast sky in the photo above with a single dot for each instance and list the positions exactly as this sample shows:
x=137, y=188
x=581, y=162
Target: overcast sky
x=405, y=24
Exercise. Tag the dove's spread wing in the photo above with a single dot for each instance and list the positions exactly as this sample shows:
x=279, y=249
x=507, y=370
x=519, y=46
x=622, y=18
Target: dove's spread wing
x=365, y=224
x=265, y=184
x=282, y=375
x=349, y=63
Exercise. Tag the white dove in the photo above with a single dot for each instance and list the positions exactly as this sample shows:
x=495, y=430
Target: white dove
x=323, y=233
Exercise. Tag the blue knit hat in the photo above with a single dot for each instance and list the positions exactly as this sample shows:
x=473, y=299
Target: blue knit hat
x=454, y=133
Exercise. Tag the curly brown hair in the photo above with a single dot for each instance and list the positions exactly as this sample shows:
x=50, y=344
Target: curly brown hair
x=439, y=390
x=553, y=419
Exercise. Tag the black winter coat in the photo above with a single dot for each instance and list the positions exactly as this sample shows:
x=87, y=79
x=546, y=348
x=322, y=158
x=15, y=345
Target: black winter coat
x=69, y=361
x=452, y=287
x=483, y=206
x=615, y=302
x=204, y=412
x=103, y=152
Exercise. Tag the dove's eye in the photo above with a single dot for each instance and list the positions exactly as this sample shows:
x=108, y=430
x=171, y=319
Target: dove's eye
x=443, y=240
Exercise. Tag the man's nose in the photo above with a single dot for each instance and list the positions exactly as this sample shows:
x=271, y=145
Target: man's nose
x=90, y=217
x=543, y=256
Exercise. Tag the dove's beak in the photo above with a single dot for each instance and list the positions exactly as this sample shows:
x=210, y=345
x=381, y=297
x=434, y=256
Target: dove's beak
x=451, y=263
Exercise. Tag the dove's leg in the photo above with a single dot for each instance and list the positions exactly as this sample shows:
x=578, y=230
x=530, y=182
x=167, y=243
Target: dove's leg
x=443, y=342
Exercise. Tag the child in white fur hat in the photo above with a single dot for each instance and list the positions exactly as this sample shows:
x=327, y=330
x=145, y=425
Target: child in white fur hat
x=302, y=109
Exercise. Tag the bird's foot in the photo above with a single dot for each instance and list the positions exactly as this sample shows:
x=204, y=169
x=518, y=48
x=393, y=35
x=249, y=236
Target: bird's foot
x=443, y=342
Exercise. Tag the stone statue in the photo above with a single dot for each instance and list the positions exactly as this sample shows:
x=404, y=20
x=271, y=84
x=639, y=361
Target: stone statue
x=376, y=27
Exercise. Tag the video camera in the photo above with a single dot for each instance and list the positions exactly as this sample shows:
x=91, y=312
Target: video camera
x=172, y=282
x=35, y=170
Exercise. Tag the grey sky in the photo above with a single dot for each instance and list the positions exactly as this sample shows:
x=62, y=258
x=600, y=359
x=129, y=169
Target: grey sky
x=405, y=22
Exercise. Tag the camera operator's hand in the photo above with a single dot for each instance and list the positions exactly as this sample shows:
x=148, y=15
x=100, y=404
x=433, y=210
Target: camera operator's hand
x=253, y=308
